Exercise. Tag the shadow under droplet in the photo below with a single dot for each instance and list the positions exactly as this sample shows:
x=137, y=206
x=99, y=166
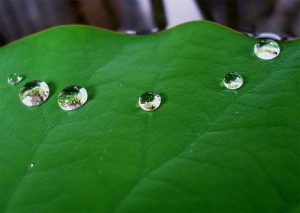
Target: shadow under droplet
x=164, y=98
x=52, y=88
x=91, y=93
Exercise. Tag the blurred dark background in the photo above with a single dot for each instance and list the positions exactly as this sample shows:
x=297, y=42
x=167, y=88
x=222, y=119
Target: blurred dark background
x=19, y=18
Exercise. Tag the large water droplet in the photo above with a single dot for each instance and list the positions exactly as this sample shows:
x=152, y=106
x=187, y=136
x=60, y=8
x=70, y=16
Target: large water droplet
x=149, y=101
x=266, y=49
x=233, y=80
x=72, y=98
x=14, y=79
x=34, y=93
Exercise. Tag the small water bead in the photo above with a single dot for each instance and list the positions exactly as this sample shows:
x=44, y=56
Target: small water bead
x=34, y=93
x=72, y=98
x=14, y=79
x=233, y=80
x=266, y=49
x=149, y=101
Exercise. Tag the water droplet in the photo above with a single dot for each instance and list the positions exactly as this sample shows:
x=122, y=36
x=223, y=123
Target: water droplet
x=149, y=101
x=14, y=79
x=267, y=35
x=31, y=165
x=266, y=49
x=72, y=98
x=34, y=93
x=233, y=80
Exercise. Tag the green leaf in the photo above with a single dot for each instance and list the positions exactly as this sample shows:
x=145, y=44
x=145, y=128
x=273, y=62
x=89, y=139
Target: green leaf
x=206, y=149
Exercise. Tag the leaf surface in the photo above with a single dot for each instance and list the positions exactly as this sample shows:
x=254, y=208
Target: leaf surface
x=206, y=149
